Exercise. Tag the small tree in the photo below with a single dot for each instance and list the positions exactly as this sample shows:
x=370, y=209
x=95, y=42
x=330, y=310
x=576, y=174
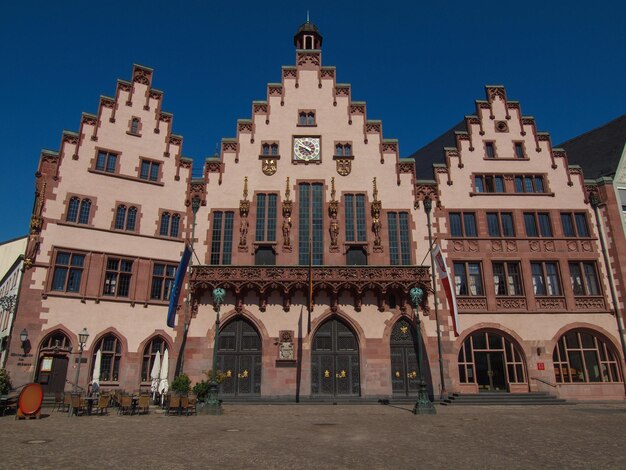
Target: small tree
x=181, y=384
x=5, y=382
x=201, y=389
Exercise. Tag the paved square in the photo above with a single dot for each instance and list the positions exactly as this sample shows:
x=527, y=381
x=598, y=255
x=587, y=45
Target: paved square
x=325, y=437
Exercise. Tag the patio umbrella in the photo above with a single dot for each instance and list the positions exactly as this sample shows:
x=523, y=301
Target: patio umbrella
x=163, y=385
x=154, y=374
x=96, y=368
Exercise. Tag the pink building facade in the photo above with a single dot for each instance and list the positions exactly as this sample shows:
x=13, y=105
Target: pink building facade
x=310, y=180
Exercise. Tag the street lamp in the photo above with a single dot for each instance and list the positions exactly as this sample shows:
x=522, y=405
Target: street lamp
x=82, y=340
x=428, y=205
x=423, y=406
x=24, y=338
x=213, y=402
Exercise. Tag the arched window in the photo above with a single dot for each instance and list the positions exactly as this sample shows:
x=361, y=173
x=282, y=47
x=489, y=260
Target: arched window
x=56, y=340
x=134, y=126
x=157, y=344
x=339, y=150
x=165, y=224
x=175, y=225
x=491, y=360
x=72, y=210
x=274, y=148
x=310, y=119
x=131, y=219
x=302, y=119
x=85, y=208
x=265, y=149
x=120, y=217
x=583, y=356
x=111, y=350
x=347, y=150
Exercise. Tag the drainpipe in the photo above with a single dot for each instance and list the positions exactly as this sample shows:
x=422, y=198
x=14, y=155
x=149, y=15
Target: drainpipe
x=595, y=204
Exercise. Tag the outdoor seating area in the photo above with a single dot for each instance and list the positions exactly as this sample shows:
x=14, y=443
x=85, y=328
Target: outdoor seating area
x=79, y=404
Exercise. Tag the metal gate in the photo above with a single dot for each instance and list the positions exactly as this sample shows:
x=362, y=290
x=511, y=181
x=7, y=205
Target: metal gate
x=239, y=358
x=404, y=373
x=335, y=361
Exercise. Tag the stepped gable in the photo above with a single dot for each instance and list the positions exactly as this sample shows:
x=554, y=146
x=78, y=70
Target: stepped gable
x=598, y=151
x=497, y=120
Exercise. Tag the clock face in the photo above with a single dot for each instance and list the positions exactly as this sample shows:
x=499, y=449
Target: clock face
x=306, y=149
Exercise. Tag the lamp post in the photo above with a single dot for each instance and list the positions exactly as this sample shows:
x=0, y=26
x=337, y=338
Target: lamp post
x=82, y=340
x=423, y=406
x=213, y=403
x=428, y=205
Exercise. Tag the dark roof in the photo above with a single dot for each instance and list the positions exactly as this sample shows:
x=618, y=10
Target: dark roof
x=308, y=28
x=598, y=151
x=433, y=152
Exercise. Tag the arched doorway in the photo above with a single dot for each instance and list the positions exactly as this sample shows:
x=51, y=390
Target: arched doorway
x=492, y=361
x=335, y=361
x=239, y=358
x=404, y=367
x=53, y=362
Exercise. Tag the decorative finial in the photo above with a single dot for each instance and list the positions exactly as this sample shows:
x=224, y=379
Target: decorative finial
x=287, y=190
x=307, y=16
x=332, y=188
x=245, y=188
x=375, y=191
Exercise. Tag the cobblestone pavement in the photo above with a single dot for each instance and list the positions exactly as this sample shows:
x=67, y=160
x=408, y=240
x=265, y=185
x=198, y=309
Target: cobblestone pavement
x=325, y=437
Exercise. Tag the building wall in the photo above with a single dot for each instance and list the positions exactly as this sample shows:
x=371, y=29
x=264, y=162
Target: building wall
x=73, y=172
x=11, y=256
x=232, y=182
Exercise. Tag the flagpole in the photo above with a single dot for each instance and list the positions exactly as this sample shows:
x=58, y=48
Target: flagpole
x=428, y=205
x=195, y=205
x=310, y=299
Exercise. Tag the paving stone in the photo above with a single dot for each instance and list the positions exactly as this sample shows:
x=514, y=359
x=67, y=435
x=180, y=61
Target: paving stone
x=325, y=437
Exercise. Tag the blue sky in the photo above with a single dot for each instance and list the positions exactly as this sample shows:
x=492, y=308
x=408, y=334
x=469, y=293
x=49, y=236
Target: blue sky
x=419, y=66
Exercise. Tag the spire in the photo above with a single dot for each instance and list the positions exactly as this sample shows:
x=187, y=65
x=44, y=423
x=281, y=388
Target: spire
x=308, y=36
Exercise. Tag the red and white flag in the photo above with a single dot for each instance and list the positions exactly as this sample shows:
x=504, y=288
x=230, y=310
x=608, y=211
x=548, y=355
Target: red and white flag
x=442, y=271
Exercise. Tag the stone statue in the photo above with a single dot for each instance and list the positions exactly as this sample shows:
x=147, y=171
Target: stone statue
x=243, y=231
x=287, y=231
x=376, y=229
x=334, y=232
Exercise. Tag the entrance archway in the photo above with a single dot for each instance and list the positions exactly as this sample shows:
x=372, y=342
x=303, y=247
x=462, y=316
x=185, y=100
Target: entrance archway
x=404, y=367
x=492, y=361
x=335, y=369
x=239, y=358
x=53, y=362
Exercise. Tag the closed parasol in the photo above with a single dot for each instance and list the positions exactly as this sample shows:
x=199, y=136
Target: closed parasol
x=154, y=374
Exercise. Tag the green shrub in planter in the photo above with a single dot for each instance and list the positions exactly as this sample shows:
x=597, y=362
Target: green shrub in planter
x=5, y=382
x=201, y=389
x=181, y=384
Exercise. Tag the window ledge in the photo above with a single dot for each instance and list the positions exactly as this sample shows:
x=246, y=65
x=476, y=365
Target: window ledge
x=263, y=157
x=306, y=125
x=507, y=159
x=133, y=134
x=474, y=193
x=343, y=157
x=126, y=177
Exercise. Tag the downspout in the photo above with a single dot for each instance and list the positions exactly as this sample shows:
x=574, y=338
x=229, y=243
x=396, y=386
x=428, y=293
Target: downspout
x=595, y=204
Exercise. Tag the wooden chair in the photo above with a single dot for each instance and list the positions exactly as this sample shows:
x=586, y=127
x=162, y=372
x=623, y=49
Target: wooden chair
x=191, y=406
x=126, y=405
x=103, y=404
x=173, y=405
x=78, y=405
x=58, y=401
x=143, y=404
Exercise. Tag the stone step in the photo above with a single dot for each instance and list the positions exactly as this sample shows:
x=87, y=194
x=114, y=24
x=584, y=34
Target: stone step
x=494, y=398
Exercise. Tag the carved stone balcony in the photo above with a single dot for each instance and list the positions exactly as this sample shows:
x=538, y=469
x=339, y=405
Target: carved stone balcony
x=357, y=280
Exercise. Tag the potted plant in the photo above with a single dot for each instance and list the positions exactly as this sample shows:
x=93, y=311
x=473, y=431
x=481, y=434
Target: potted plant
x=181, y=385
x=201, y=389
x=5, y=382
